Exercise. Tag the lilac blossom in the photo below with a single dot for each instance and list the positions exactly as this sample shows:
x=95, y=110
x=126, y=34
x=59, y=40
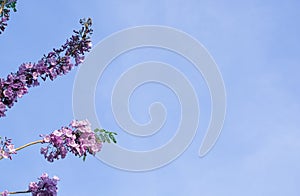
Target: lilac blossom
x=56, y=63
x=45, y=186
x=5, y=193
x=6, y=148
x=6, y=6
x=77, y=138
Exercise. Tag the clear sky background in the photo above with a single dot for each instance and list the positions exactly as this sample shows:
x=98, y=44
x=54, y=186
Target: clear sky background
x=256, y=46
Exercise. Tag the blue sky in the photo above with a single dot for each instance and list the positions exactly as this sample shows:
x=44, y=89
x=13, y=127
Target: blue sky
x=255, y=44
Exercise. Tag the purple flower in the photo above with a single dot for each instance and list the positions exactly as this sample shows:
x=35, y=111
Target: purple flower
x=7, y=148
x=77, y=138
x=45, y=186
x=5, y=13
x=2, y=109
x=5, y=193
x=55, y=63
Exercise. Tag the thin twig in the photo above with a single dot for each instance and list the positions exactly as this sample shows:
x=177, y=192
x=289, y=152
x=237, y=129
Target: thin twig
x=29, y=144
x=26, y=145
x=2, y=6
x=19, y=192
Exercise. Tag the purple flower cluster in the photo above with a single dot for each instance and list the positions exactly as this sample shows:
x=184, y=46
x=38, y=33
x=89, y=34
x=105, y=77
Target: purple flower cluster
x=3, y=21
x=45, y=186
x=5, y=12
x=7, y=148
x=58, y=62
x=5, y=193
x=78, y=138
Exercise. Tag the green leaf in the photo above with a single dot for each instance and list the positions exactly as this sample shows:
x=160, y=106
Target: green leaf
x=107, y=138
x=97, y=130
x=112, y=137
x=102, y=138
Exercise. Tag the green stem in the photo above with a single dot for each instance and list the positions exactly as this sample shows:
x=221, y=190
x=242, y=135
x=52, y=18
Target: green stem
x=26, y=145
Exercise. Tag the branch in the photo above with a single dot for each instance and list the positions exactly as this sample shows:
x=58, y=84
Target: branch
x=2, y=6
x=57, y=62
x=26, y=145
x=19, y=192
x=29, y=144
